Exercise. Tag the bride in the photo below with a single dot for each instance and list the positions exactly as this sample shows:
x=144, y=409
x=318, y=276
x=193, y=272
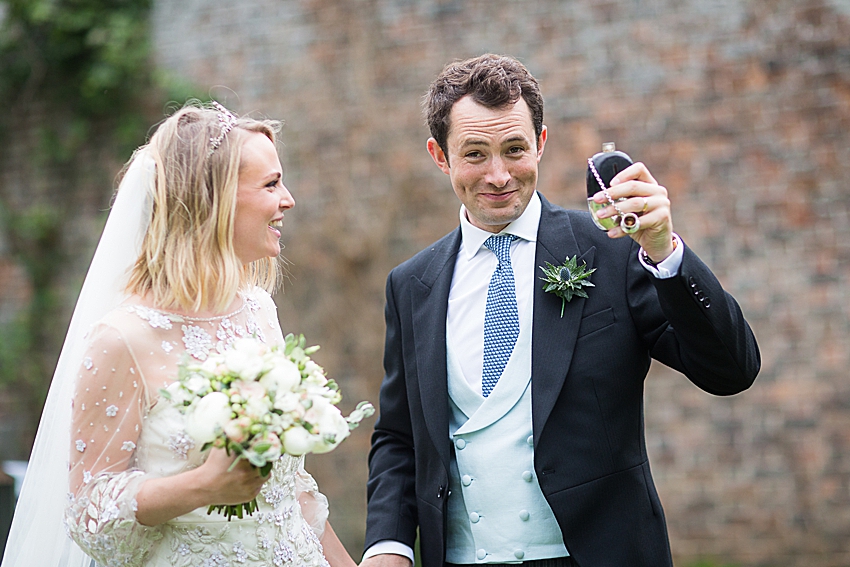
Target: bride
x=184, y=267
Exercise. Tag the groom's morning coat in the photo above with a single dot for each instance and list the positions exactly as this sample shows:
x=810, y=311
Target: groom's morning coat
x=588, y=369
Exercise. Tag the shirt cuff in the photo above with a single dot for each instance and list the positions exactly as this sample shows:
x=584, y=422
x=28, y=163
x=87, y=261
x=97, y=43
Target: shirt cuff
x=389, y=546
x=669, y=268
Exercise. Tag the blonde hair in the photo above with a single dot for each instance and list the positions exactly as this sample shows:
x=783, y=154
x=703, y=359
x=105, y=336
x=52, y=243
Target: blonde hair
x=187, y=260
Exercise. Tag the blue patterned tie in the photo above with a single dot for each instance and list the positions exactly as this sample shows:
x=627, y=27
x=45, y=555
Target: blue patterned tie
x=501, y=316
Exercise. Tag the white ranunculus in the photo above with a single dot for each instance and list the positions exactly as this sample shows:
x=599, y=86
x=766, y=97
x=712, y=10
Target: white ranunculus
x=208, y=417
x=283, y=376
x=298, y=441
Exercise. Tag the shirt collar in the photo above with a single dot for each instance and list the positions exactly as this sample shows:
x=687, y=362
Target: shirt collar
x=525, y=227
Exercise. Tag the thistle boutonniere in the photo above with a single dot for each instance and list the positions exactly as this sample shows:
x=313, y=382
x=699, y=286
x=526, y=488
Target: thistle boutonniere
x=566, y=280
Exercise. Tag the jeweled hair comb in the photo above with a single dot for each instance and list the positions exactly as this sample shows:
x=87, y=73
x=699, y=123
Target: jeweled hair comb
x=226, y=122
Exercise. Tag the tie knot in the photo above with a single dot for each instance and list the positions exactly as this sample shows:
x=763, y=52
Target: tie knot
x=501, y=247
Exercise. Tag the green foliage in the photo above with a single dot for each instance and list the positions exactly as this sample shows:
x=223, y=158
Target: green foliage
x=76, y=80
x=84, y=55
x=566, y=280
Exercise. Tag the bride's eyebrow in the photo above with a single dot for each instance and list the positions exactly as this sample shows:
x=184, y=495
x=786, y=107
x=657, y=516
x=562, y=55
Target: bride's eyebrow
x=275, y=176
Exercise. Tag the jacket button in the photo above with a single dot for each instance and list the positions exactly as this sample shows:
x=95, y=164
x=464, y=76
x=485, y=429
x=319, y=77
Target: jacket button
x=466, y=480
x=519, y=554
x=700, y=295
x=460, y=443
x=706, y=302
x=474, y=517
x=527, y=476
x=524, y=515
x=481, y=554
x=441, y=491
x=692, y=282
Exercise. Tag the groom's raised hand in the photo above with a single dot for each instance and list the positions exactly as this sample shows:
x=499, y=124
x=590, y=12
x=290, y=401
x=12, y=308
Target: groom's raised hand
x=649, y=201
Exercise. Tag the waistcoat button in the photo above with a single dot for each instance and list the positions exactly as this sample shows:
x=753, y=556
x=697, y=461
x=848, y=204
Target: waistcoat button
x=466, y=480
x=460, y=443
x=523, y=515
x=474, y=517
x=527, y=476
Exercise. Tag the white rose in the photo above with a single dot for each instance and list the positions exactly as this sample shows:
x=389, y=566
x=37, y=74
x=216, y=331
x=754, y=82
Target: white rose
x=208, y=417
x=289, y=402
x=332, y=427
x=267, y=447
x=297, y=441
x=237, y=429
x=283, y=376
x=246, y=365
x=197, y=384
x=209, y=365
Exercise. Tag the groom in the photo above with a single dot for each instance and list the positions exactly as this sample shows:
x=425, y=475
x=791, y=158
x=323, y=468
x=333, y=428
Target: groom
x=508, y=432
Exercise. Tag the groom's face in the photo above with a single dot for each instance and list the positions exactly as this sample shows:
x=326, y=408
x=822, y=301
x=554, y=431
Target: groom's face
x=492, y=160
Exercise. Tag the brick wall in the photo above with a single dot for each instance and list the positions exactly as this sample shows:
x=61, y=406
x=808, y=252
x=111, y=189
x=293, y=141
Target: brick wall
x=741, y=108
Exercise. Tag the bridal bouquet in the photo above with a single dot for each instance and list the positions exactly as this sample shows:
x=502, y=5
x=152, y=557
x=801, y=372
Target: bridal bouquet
x=259, y=402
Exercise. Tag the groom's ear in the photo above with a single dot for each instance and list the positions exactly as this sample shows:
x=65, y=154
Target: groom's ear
x=438, y=155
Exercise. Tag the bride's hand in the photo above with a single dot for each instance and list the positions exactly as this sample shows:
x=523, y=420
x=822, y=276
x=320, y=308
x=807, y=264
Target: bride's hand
x=241, y=484
x=162, y=499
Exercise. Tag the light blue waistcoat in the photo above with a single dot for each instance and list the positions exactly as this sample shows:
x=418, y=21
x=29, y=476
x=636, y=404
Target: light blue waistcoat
x=496, y=510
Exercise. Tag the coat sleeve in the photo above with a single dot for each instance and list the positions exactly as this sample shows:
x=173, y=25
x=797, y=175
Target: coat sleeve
x=703, y=333
x=392, y=511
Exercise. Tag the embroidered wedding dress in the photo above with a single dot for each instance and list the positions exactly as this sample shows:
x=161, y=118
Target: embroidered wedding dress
x=123, y=432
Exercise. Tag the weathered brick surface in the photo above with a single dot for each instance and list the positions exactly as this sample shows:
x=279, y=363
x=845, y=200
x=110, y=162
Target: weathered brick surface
x=740, y=108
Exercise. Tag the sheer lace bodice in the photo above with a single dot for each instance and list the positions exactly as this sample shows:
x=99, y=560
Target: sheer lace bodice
x=123, y=433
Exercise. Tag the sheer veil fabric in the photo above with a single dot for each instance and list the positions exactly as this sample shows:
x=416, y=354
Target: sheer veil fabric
x=38, y=537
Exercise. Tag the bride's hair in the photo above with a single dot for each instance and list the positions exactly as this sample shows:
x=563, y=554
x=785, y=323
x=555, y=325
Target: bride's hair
x=187, y=260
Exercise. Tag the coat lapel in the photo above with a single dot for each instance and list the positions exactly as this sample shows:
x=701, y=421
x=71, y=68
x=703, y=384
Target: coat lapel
x=429, y=297
x=553, y=336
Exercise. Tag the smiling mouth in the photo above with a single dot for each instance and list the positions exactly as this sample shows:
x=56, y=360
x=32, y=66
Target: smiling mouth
x=276, y=224
x=499, y=196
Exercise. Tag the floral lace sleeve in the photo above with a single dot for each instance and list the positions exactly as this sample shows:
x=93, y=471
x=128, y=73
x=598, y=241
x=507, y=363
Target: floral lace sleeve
x=108, y=409
x=314, y=504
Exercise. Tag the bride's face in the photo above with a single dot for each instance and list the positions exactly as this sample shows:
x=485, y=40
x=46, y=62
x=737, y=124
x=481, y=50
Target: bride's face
x=261, y=199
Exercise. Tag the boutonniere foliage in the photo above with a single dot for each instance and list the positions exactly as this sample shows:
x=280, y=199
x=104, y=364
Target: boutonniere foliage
x=567, y=280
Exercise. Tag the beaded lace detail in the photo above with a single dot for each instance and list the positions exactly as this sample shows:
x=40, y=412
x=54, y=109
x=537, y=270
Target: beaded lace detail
x=123, y=434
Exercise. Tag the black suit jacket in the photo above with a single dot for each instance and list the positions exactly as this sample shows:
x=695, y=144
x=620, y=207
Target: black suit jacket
x=588, y=369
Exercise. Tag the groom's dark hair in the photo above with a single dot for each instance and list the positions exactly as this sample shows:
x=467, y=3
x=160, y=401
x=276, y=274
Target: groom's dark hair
x=494, y=81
